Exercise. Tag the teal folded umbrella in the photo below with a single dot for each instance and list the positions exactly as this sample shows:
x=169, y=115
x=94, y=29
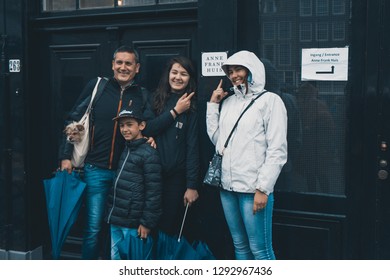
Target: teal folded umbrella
x=171, y=248
x=178, y=248
x=136, y=248
x=63, y=200
x=203, y=250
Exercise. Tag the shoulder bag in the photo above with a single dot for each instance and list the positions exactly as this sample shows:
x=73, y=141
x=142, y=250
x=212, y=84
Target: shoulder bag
x=80, y=149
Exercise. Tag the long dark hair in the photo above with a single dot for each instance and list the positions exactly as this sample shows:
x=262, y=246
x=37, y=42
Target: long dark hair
x=163, y=90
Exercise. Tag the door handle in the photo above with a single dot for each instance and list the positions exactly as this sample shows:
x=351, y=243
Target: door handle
x=383, y=174
x=383, y=163
x=383, y=146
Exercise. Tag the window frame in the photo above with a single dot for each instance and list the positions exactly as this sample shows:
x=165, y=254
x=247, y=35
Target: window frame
x=339, y=3
x=327, y=31
x=288, y=30
x=301, y=8
x=320, y=11
x=78, y=7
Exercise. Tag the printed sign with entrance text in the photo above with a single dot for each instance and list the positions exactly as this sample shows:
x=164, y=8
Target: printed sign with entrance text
x=327, y=64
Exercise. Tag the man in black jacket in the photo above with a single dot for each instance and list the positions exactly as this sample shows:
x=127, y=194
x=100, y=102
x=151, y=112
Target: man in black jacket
x=106, y=144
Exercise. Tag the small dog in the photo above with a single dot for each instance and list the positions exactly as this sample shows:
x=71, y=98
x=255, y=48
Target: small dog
x=74, y=132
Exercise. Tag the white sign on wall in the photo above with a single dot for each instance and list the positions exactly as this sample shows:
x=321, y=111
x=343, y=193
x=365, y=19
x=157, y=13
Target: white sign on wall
x=212, y=62
x=327, y=64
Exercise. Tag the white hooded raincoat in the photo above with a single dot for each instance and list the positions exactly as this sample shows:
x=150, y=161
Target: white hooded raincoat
x=257, y=149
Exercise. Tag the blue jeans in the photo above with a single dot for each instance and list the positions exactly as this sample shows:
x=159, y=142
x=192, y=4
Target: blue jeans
x=118, y=235
x=251, y=233
x=99, y=182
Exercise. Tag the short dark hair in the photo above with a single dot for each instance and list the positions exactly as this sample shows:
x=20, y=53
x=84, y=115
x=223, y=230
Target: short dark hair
x=126, y=49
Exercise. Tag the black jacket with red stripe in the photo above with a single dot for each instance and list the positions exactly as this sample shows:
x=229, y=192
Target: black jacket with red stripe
x=106, y=142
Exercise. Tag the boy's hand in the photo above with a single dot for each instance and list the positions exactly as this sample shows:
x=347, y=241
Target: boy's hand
x=143, y=232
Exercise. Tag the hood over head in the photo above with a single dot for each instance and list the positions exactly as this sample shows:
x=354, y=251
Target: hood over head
x=256, y=75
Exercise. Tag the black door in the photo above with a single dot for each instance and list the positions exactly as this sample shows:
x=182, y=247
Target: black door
x=367, y=235
x=70, y=50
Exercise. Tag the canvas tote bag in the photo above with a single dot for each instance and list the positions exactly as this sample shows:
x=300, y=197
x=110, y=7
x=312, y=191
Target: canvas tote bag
x=81, y=148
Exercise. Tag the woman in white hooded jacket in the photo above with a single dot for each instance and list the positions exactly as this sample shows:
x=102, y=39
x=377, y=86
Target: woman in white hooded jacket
x=254, y=156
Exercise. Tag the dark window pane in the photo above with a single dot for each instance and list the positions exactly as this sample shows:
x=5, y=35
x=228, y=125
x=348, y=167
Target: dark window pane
x=269, y=31
x=316, y=139
x=305, y=32
x=87, y=4
x=58, y=5
x=175, y=1
x=136, y=2
x=305, y=7
x=322, y=8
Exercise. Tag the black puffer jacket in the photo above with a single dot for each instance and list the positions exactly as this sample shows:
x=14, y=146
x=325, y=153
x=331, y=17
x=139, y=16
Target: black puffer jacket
x=136, y=196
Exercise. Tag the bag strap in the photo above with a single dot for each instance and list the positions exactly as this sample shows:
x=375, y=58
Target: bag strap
x=239, y=118
x=96, y=94
x=93, y=94
x=99, y=90
x=89, y=108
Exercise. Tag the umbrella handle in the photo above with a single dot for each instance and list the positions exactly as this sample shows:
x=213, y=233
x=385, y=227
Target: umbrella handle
x=182, y=223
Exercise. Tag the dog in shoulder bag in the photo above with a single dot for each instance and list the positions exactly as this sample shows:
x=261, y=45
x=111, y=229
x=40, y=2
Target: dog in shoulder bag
x=78, y=133
x=74, y=132
x=81, y=146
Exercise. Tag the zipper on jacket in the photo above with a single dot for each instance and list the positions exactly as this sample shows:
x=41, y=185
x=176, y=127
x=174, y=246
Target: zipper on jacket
x=115, y=130
x=92, y=137
x=115, y=184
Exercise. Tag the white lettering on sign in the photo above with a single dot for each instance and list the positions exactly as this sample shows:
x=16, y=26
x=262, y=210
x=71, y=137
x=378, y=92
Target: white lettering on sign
x=14, y=65
x=330, y=64
x=212, y=62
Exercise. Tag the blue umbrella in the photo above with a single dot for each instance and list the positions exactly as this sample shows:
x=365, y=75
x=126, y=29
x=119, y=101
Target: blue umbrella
x=63, y=198
x=172, y=248
x=136, y=248
x=178, y=248
x=203, y=250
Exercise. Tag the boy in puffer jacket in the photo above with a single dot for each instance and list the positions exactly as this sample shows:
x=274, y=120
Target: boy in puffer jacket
x=134, y=203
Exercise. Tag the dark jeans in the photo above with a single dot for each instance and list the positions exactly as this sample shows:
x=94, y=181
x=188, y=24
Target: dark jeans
x=99, y=182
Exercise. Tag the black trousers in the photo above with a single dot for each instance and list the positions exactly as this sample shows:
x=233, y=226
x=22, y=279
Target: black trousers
x=174, y=187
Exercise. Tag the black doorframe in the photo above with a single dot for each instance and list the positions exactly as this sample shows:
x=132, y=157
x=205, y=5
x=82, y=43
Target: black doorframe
x=5, y=141
x=382, y=193
x=369, y=206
